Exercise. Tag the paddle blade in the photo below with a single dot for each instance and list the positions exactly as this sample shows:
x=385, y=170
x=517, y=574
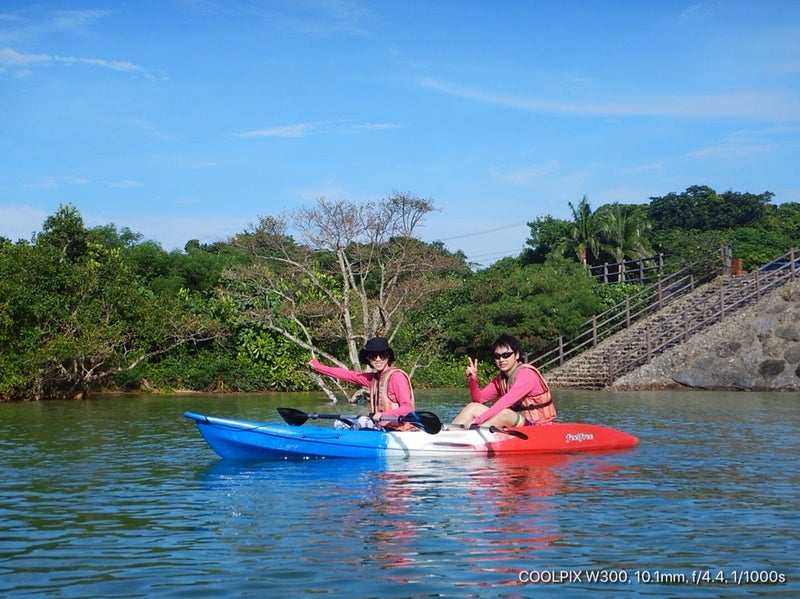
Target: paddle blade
x=292, y=416
x=428, y=421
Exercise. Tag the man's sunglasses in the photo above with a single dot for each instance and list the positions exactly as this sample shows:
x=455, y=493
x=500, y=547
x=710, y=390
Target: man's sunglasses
x=504, y=355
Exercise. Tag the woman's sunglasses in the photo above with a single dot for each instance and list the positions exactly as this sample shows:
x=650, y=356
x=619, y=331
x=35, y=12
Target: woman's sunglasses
x=504, y=355
x=383, y=355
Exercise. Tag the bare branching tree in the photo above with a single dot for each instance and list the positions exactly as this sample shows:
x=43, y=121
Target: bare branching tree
x=356, y=271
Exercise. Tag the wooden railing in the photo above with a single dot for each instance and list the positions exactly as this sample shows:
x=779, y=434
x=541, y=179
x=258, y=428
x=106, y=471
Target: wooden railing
x=655, y=298
x=640, y=271
x=645, y=302
x=703, y=313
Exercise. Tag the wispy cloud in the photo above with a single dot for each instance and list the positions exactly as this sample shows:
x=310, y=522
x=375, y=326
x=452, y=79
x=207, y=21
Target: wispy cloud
x=739, y=144
x=296, y=130
x=699, y=12
x=59, y=181
x=306, y=129
x=10, y=58
x=645, y=168
x=322, y=18
x=126, y=184
x=378, y=126
x=151, y=128
x=311, y=18
x=764, y=105
x=33, y=24
x=523, y=176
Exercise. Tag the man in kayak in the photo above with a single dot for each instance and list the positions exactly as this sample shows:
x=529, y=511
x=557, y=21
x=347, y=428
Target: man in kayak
x=390, y=391
x=523, y=397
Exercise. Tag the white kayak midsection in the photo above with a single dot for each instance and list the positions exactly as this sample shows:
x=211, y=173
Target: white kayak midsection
x=447, y=441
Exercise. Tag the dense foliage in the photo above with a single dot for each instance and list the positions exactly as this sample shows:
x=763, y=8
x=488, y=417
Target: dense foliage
x=87, y=309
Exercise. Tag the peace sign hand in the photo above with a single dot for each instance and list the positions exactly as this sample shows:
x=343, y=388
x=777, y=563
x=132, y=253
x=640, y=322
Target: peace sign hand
x=472, y=367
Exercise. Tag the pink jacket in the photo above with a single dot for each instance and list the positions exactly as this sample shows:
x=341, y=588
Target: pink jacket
x=526, y=383
x=398, y=389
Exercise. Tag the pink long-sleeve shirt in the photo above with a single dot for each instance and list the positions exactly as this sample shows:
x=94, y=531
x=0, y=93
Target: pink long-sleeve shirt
x=525, y=383
x=398, y=388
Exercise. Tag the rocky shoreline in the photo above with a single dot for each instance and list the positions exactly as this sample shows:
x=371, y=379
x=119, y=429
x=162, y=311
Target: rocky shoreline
x=757, y=348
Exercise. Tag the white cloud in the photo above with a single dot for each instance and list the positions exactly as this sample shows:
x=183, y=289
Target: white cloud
x=126, y=184
x=151, y=128
x=765, y=105
x=377, y=126
x=56, y=182
x=524, y=176
x=27, y=25
x=644, y=168
x=304, y=129
x=737, y=144
x=296, y=130
x=11, y=58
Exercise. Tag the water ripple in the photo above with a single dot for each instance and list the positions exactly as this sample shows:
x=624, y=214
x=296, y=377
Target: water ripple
x=116, y=498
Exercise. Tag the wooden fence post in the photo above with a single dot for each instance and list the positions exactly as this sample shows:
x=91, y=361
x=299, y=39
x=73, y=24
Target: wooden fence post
x=686, y=326
x=627, y=312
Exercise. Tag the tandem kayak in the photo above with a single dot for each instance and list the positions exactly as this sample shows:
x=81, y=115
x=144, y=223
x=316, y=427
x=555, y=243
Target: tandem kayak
x=246, y=439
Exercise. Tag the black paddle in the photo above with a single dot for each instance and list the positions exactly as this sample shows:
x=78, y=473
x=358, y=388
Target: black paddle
x=427, y=421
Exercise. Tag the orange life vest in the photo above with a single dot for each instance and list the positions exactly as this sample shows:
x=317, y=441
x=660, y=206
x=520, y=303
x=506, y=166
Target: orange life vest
x=379, y=397
x=538, y=409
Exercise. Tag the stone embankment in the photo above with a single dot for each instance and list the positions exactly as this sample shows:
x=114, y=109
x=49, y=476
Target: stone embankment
x=757, y=348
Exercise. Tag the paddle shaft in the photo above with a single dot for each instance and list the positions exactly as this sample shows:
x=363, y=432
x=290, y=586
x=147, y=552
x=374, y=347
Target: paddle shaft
x=427, y=421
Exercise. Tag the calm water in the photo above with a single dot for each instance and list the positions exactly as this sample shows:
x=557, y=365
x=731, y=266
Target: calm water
x=120, y=497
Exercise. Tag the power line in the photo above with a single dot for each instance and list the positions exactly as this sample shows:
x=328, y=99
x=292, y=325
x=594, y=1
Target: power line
x=498, y=253
x=485, y=232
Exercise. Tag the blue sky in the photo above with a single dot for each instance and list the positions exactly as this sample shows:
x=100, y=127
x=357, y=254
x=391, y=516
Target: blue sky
x=189, y=119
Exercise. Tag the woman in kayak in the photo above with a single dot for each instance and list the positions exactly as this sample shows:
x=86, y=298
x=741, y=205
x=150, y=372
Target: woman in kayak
x=390, y=393
x=522, y=395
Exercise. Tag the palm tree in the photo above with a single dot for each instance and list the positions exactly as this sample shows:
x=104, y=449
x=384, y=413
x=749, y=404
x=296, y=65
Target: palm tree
x=623, y=232
x=584, y=233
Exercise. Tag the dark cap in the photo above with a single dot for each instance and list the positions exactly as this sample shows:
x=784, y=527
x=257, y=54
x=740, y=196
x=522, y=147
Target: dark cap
x=375, y=345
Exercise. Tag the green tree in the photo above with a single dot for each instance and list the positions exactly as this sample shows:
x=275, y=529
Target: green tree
x=700, y=208
x=546, y=234
x=699, y=250
x=64, y=232
x=536, y=303
x=783, y=221
x=74, y=315
x=756, y=246
x=109, y=236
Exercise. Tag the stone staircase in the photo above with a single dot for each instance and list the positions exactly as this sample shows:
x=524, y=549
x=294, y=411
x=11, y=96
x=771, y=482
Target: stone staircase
x=676, y=321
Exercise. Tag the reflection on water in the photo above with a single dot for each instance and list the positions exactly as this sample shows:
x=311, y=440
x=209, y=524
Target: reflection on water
x=479, y=519
x=120, y=497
